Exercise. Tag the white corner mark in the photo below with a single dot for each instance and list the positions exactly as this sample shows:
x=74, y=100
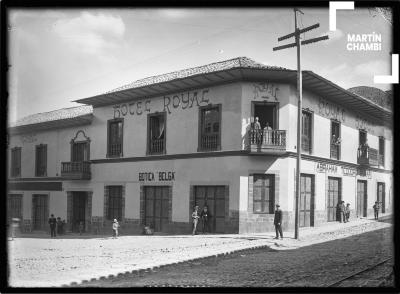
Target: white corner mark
x=335, y=5
x=394, y=78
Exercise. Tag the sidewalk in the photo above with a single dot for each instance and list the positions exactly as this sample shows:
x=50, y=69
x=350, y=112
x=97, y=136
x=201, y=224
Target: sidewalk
x=45, y=262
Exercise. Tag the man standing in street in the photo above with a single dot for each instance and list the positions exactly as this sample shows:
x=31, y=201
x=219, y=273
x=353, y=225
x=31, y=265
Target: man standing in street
x=343, y=212
x=278, y=222
x=53, y=224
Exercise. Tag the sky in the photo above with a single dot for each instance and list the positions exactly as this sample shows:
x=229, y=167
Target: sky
x=60, y=55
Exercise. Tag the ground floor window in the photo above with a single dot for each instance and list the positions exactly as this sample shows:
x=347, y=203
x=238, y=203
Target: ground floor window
x=114, y=202
x=263, y=193
x=306, y=201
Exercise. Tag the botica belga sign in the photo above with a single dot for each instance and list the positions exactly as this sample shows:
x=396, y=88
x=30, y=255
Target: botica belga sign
x=346, y=171
x=161, y=176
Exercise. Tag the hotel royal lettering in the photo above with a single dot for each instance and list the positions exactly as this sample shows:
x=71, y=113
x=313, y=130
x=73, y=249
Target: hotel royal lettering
x=330, y=110
x=161, y=176
x=177, y=101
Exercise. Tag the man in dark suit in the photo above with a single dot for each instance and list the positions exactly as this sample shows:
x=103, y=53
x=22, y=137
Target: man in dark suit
x=53, y=224
x=278, y=222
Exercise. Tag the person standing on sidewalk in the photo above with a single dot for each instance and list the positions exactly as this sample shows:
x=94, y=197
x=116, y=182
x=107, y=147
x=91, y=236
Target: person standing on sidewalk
x=347, y=212
x=205, y=215
x=342, y=212
x=115, y=227
x=195, y=218
x=278, y=222
x=376, y=208
x=53, y=224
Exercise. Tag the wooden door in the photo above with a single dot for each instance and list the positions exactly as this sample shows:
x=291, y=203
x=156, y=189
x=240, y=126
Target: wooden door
x=334, y=196
x=40, y=209
x=214, y=198
x=14, y=207
x=306, y=201
x=381, y=196
x=79, y=152
x=156, y=207
x=362, y=198
x=79, y=202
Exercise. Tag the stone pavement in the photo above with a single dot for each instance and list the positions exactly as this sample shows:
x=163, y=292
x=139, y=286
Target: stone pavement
x=45, y=262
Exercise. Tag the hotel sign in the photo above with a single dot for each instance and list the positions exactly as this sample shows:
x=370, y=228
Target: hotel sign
x=323, y=167
x=161, y=176
x=349, y=171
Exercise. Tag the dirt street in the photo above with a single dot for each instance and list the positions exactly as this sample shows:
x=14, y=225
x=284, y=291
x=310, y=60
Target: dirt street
x=311, y=266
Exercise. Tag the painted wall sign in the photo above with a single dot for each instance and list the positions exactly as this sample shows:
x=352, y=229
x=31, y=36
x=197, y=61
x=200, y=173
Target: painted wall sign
x=266, y=91
x=348, y=171
x=161, y=176
x=28, y=138
x=363, y=172
x=324, y=167
x=182, y=100
x=362, y=123
x=330, y=110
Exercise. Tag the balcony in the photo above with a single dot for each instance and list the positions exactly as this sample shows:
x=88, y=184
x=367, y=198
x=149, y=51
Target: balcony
x=209, y=142
x=76, y=170
x=381, y=159
x=156, y=146
x=335, y=151
x=367, y=156
x=267, y=141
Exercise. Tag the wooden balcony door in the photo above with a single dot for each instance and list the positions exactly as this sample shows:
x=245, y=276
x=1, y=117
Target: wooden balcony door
x=266, y=112
x=79, y=151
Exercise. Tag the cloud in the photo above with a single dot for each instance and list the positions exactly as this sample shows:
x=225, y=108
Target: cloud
x=374, y=67
x=91, y=33
x=333, y=35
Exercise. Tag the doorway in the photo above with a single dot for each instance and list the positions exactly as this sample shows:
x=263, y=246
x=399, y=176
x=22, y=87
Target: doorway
x=80, y=152
x=156, y=207
x=362, y=198
x=334, y=196
x=214, y=198
x=266, y=113
x=40, y=211
x=381, y=196
x=14, y=207
x=306, y=201
x=79, y=205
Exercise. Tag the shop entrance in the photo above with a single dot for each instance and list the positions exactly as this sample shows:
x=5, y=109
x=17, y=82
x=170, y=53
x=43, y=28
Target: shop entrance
x=79, y=205
x=334, y=196
x=40, y=211
x=381, y=196
x=362, y=198
x=14, y=207
x=306, y=201
x=156, y=207
x=214, y=198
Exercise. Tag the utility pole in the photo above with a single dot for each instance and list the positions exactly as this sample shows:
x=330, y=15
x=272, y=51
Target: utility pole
x=296, y=34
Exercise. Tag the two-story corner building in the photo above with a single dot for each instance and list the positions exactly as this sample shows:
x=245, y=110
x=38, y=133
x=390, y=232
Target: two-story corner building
x=221, y=135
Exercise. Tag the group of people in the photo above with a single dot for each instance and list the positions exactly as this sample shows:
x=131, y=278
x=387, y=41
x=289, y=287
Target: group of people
x=342, y=212
x=258, y=133
x=57, y=226
x=204, y=215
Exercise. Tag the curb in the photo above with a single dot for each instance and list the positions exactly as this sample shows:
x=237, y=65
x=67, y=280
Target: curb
x=149, y=270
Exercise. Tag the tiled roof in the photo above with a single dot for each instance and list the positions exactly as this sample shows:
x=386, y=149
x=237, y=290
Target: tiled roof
x=243, y=62
x=375, y=95
x=59, y=114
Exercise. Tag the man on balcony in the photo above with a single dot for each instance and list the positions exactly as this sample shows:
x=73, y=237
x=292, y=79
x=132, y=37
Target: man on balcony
x=257, y=131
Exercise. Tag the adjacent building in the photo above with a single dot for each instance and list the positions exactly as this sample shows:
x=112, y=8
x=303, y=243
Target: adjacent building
x=146, y=153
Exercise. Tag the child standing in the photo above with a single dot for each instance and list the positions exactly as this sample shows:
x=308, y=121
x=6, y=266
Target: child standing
x=115, y=228
x=376, y=209
x=347, y=212
x=195, y=217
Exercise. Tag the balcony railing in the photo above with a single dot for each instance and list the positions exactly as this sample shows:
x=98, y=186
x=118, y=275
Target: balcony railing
x=267, y=140
x=209, y=142
x=156, y=146
x=76, y=170
x=335, y=151
x=367, y=156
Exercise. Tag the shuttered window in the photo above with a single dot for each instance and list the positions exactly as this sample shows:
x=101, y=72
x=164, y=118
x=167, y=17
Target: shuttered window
x=115, y=138
x=115, y=206
x=16, y=162
x=263, y=193
x=41, y=160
